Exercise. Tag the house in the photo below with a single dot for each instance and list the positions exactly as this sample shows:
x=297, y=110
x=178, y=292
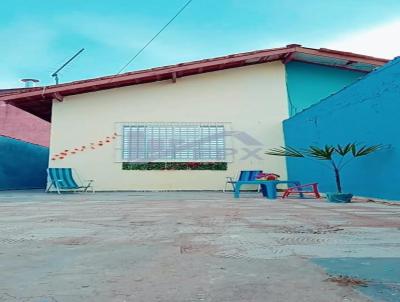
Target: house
x=24, y=142
x=22, y=125
x=364, y=112
x=187, y=126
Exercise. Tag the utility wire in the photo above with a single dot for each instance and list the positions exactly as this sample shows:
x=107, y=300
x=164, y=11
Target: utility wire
x=154, y=37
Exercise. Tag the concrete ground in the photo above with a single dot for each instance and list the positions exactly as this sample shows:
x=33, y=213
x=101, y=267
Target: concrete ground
x=190, y=246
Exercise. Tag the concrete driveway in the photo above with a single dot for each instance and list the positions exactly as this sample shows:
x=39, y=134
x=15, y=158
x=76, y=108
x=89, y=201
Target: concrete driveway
x=192, y=246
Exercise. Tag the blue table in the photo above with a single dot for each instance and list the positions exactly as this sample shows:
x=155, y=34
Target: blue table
x=268, y=187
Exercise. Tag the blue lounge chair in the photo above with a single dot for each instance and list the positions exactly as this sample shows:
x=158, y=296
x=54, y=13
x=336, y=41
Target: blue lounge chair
x=243, y=176
x=62, y=180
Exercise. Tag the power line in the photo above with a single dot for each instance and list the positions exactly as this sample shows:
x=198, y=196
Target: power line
x=154, y=37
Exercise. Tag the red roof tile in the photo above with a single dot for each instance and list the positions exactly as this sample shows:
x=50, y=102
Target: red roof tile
x=38, y=100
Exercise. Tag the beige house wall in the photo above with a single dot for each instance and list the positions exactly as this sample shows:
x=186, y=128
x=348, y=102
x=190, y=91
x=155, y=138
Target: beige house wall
x=252, y=99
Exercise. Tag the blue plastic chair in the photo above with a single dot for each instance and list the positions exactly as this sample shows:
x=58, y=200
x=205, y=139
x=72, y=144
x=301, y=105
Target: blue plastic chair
x=62, y=180
x=246, y=175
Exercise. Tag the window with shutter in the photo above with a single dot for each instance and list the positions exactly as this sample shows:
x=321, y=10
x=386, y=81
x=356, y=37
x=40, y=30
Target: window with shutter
x=173, y=142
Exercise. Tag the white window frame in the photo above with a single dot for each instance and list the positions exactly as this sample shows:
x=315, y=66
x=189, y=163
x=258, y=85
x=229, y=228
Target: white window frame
x=184, y=133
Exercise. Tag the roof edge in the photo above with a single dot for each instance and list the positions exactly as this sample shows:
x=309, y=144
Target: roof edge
x=162, y=73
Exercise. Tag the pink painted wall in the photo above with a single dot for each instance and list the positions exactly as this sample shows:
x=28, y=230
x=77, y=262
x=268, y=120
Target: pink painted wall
x=19, y=124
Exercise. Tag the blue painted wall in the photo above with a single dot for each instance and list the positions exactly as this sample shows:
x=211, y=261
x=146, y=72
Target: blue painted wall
x=22, y=165
x=367, y=111
x=307, y=84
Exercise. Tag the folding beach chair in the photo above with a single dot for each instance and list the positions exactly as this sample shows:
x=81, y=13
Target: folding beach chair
x=62, y=180
x=243, y=176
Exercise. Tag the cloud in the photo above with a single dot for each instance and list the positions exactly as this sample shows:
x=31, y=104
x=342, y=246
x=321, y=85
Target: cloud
x=36, y=47
x=380, y=41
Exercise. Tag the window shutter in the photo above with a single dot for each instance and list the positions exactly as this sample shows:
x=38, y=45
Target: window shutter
x=173, y=142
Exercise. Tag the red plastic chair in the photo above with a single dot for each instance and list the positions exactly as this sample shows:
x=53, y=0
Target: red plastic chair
x=300, y=190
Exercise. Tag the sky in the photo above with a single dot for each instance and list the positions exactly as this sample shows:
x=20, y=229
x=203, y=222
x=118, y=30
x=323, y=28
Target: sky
x=37, y=37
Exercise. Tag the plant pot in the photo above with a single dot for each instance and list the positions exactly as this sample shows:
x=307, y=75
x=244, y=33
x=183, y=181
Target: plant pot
x=339, y=197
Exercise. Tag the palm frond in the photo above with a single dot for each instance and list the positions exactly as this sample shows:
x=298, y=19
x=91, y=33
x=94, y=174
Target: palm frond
x=343, y=150
x=321, y=153
x=365, y=150
x=284, y=151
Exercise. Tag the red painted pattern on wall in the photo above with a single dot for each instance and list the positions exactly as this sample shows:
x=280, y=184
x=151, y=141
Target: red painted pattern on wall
x=75, y=150
x=19, y=124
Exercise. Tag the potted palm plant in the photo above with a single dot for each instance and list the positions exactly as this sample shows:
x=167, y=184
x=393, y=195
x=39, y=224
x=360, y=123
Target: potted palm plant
x=338, y=157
